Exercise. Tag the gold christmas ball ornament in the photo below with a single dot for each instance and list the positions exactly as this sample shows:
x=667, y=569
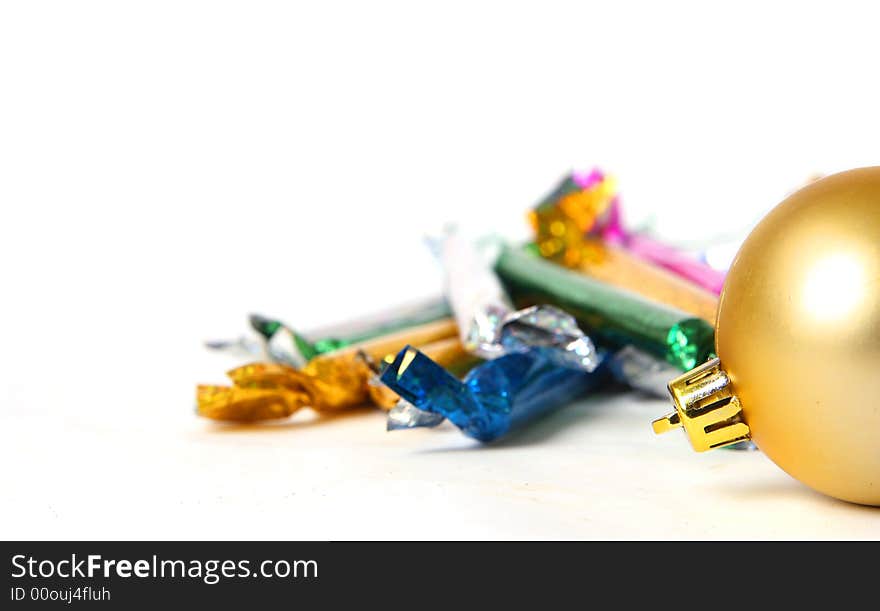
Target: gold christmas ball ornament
x=798, y=343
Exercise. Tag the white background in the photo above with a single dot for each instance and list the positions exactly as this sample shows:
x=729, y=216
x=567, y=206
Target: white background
x=168, y=167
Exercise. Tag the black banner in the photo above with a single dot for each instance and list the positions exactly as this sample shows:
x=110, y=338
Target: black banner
x=131, y=575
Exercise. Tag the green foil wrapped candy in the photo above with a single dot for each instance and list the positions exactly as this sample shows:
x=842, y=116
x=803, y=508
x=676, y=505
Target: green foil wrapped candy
x=613, y=316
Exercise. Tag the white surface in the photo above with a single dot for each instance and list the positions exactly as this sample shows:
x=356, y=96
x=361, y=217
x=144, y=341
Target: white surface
x=168, y=167
x=593, y=471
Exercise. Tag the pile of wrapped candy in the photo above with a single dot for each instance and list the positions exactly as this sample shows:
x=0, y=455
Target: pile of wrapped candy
x=520, y=330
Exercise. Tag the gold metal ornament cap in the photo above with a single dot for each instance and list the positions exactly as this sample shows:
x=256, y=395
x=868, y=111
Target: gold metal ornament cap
x=704, y=405
x=798, y=338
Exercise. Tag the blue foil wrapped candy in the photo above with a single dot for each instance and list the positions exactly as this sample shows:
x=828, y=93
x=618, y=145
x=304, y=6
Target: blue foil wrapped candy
x=494, y=398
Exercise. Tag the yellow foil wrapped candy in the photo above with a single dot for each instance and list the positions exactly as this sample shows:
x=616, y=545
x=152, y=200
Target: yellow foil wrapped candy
x=562, y=223
x=328, y=383
x=615, y=266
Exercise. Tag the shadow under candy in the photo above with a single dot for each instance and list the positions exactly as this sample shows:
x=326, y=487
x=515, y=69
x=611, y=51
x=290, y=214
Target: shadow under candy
x=304, y=419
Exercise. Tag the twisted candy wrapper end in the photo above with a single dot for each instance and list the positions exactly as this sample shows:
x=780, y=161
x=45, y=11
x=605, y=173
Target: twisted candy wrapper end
x=488, y=324
x=545, y=326
x=331, y=382
x=474, y=292
x=235, y=404
x=405, y=415
x=264, y=391
x=496, y=397
x=587, y=205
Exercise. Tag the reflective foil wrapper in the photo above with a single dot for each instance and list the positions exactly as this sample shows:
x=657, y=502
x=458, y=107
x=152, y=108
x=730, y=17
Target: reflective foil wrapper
x=614, y=316
x=611, y=229
x=282, y=344
x=338, y=380
x=575, y=208
x=642, y=371
x=489, y=325
x=684, y=265
x=475, y=294
x=495, y=397
x=579, y=225
x=613, y=265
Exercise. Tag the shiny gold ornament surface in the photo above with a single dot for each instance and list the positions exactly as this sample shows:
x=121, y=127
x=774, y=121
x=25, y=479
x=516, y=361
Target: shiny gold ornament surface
x=798, y=339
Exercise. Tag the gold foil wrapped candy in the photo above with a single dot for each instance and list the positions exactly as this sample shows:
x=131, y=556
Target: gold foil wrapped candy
x=562, y=223
x=328, y=383
x=615, y=266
